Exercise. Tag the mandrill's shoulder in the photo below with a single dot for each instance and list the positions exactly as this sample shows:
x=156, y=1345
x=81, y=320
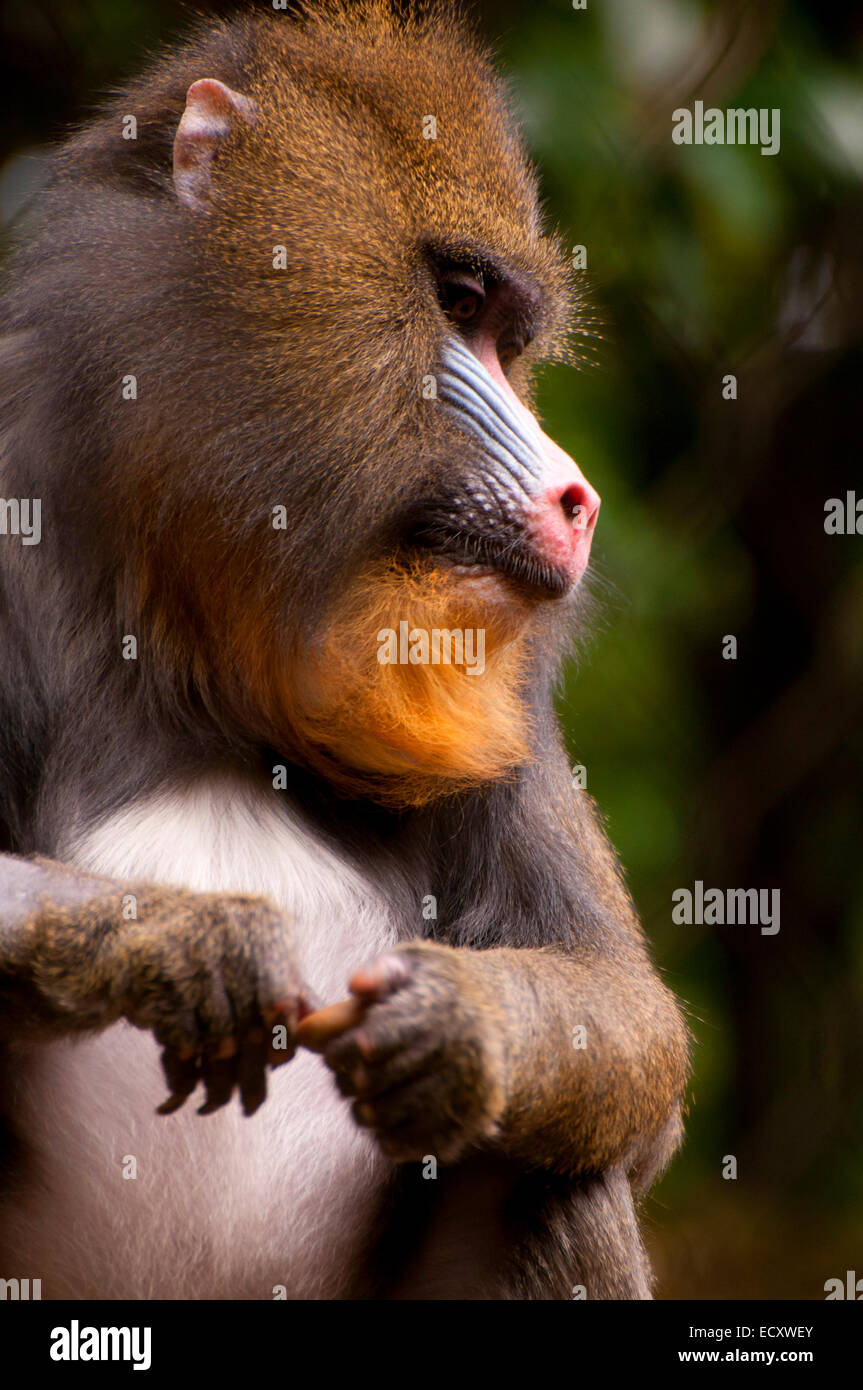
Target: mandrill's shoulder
x=528, y=862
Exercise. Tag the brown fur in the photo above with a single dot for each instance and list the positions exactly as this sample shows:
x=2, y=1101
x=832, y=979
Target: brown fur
x=413, y=730
x=205, y=596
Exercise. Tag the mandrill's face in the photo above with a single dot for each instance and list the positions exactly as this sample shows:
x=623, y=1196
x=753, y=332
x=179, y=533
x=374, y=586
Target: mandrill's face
x=389, y=288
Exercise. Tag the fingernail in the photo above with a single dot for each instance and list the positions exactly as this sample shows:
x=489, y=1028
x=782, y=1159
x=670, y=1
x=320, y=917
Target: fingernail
x=170, y=1105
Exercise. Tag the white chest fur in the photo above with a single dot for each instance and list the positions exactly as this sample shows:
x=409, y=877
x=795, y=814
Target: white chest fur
x=224, y=1205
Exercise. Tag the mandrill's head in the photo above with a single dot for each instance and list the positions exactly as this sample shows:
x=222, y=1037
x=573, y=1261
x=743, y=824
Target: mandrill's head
x=327, y=269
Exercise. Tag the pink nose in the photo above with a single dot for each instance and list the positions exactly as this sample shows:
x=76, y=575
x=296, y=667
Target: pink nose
x=562, y=518
x=565, y=487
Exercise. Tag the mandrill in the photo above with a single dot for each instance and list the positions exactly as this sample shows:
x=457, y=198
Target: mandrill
x=267, y=345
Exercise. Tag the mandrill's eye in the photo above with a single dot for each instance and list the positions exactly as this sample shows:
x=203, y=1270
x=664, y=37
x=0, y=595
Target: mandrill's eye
x=462, y=300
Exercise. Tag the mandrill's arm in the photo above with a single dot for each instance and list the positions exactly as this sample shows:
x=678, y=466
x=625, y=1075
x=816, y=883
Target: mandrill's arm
x=571, y=1057
x=209, y=975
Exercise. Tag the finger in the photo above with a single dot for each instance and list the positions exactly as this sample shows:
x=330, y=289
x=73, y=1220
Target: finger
x=406, y=1109
x=174, y=1102
x=407, y=1143
x=317, y=1030
x=403, y=1143
x=386, y=1028
x=219, y=1076
x=182, y=1074
x=365, y=1079
x=383, y=978
x=252, y=1070
x=358, y=1047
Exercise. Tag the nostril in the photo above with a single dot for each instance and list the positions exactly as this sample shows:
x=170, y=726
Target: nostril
x=574, y=501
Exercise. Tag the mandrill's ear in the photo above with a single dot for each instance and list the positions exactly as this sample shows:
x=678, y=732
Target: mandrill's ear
x=212, y=112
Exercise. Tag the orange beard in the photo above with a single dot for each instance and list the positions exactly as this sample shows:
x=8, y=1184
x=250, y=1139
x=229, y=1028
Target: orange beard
x=409, y=733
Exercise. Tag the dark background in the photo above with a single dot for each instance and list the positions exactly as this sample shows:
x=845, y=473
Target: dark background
x=702, y=261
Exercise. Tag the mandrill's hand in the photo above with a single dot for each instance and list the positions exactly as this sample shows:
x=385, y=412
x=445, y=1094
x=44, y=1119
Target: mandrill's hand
x=212, y=977
x=421, y=1049
x=217, y=986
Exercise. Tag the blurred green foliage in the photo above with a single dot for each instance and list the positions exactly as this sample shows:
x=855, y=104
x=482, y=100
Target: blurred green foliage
x=702, y=261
